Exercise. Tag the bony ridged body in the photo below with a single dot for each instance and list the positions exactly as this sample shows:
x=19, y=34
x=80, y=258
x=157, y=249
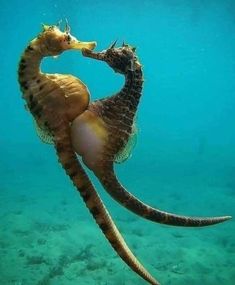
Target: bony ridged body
x=55, y=101
x=117, y=114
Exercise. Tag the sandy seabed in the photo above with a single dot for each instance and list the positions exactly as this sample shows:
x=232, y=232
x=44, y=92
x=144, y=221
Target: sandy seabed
x=48, y=237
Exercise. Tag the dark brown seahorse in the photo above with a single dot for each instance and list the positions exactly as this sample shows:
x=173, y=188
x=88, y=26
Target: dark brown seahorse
x=102, y=132
x=55, y=100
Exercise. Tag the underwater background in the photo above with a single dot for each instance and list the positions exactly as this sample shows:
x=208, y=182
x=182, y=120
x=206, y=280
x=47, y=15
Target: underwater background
x=184, y=160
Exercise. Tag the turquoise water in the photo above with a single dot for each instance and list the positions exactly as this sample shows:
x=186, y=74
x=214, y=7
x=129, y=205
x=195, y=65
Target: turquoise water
x=183, y=161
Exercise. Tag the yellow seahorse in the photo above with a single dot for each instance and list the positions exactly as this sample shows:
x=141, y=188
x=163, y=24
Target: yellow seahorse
x=55, y=100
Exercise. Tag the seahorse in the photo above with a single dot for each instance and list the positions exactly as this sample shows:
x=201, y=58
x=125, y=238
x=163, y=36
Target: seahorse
x=102, y=132
x=54, y=101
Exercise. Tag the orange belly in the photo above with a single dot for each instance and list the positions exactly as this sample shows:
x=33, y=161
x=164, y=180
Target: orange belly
x=89, y=137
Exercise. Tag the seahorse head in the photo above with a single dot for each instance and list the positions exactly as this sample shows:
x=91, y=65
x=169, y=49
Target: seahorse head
x=121, y=59
x=52, y=41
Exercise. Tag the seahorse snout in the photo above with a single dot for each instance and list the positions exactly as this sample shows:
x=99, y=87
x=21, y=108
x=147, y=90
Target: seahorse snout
x=76, y=44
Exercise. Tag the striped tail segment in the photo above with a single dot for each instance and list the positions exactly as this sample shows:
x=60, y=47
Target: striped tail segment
x=111, y=184
x=81, y=181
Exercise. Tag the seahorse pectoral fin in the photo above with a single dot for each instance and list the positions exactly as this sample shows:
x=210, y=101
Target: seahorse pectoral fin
x=129, y=201
x=127, y=150
x=43, y=134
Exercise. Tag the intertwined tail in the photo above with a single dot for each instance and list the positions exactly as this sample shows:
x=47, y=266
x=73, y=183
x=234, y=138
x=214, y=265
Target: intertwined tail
x=74, y=170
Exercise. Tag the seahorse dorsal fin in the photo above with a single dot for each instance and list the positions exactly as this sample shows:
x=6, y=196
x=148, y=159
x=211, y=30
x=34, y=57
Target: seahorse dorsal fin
x=43, y=134
x=126, y=151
